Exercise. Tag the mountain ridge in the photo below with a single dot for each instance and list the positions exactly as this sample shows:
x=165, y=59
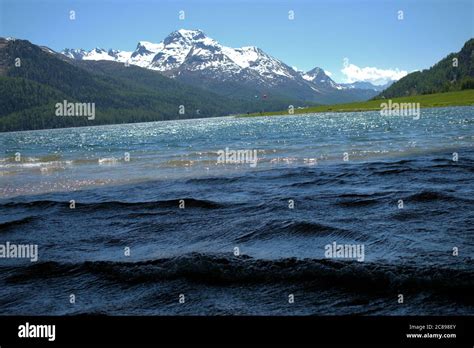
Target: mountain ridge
x=120, y=94
x=194, y=58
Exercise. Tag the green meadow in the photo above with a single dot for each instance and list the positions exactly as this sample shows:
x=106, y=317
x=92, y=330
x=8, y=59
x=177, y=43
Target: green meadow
x=458, y=98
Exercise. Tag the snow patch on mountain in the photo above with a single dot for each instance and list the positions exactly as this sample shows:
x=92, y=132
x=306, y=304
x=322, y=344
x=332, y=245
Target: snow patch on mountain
x=191, y=55
x=318, y=76
x=191, y=50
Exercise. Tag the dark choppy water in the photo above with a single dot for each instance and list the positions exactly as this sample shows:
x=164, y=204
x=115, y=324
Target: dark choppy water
x=190, y=251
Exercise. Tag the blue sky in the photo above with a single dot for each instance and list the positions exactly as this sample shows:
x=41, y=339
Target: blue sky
x=322, y=33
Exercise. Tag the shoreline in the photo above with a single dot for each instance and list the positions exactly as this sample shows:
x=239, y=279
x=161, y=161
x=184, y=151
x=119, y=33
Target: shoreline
x=447, y=99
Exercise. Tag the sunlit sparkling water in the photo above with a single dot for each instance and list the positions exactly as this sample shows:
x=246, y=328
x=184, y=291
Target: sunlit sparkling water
x=73, y=158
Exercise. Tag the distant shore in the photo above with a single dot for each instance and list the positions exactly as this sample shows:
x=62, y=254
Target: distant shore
x=458, y=98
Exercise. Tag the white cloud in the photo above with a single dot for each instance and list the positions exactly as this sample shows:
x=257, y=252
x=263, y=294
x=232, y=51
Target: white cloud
x=327, y=72
x=376, y=76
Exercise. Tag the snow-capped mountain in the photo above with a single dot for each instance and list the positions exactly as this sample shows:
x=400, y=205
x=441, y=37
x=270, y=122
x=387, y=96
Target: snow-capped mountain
x=319, y=77
x=193, y=57
x=367, y=85
x=191, y=50
x=97, y=54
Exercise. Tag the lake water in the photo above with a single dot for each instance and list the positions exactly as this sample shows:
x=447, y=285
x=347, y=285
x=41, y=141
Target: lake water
x=241, y=238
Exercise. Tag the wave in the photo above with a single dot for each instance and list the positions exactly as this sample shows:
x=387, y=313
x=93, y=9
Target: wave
x=358, y=202
x=223, y=269
x=34, y=204
x=394, y=163
x=44, y=163
x=214, y=180
x=361, y=199
x=40, y=165
x=432, y=196
x=108, y=160
x=406, y=215
x=13, y=223
x=189, y=203
x=296, y=228
x=317, y=182
x=46, y=158
x=392, y=171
